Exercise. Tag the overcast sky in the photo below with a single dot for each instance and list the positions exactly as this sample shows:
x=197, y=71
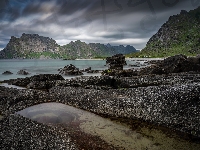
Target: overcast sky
x=118, y=22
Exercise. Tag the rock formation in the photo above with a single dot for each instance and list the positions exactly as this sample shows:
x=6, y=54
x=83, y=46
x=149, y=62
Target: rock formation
x=116, y=62
x=174, y=64
x=23, y=72
x=7, y=72
x=70, y=70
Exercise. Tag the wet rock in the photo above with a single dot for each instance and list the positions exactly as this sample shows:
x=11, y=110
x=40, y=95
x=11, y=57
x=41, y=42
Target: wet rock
x=174, y=64
x=23, y=72
x=86, y=69
x=7, y=73
x=42, y=81
x=116, y=62
x=93, y=71
x=70, y=70
x=120, y=73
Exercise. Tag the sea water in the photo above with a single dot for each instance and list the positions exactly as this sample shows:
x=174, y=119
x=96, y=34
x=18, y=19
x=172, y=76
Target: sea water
x=48, y=66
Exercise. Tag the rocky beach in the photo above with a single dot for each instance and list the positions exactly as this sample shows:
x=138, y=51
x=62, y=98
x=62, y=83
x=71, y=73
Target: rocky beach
x=164, y=96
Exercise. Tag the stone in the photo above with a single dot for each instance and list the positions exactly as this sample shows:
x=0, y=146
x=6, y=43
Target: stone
x=23, y=72
x=86, y=69
x=7, y=73
x=42, y=81
x=116, y=62
x=70, y=70
x=93, y=71
x=174, y=64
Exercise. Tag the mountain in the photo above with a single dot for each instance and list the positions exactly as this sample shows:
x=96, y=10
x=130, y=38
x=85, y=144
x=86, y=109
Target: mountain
x=124, y=50
x=28, y=45
x=179, y=35
x=35, y=46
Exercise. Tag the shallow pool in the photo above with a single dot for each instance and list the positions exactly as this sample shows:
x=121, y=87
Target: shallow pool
x=112, y=132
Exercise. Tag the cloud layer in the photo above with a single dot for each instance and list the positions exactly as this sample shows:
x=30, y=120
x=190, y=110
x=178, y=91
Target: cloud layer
x=118, y=22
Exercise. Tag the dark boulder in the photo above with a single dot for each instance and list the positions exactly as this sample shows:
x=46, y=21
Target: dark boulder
x=116, y=62
x=46, y=77
x=23, y=72
x=42, y=81
x=7, y=73
x=120, y=73
x=174, y=64
x=70, y=70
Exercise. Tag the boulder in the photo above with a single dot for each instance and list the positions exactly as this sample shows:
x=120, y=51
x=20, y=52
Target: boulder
x=116, y=62
x=42, y=81
x=7, y=73
x=23, y=72
x=120, y=73
x=46, y=77
x=174, y=64
x=70, y=70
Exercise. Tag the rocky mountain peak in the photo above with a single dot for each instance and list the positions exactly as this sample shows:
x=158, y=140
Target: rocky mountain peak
x=180, y=34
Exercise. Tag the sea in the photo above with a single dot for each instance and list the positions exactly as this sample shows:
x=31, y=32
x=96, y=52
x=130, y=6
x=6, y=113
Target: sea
x=49, y=66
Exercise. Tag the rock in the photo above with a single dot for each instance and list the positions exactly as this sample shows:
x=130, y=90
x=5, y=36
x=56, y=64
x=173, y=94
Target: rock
x=42, y=81
x=174, y=64
x=46, y=77
x=93, y=71
x=7, y=73
x=23, y=72
x=86, y=69
x=28, y=134
x=116, y=62
x=120, y=73
x=115, y=65
x=70, y=70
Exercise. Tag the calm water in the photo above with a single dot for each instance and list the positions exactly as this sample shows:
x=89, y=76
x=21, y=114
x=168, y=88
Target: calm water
x=47, y=66
x=44, y=66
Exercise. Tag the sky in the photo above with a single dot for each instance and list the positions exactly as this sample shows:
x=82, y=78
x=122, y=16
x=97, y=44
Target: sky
x=118, y=22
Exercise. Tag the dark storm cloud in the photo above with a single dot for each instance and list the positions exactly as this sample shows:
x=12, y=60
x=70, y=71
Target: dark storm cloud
x=117, y=22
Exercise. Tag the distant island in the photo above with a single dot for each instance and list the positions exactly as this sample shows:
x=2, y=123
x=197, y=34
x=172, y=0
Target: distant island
x=33, y=46
x=179, y=35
